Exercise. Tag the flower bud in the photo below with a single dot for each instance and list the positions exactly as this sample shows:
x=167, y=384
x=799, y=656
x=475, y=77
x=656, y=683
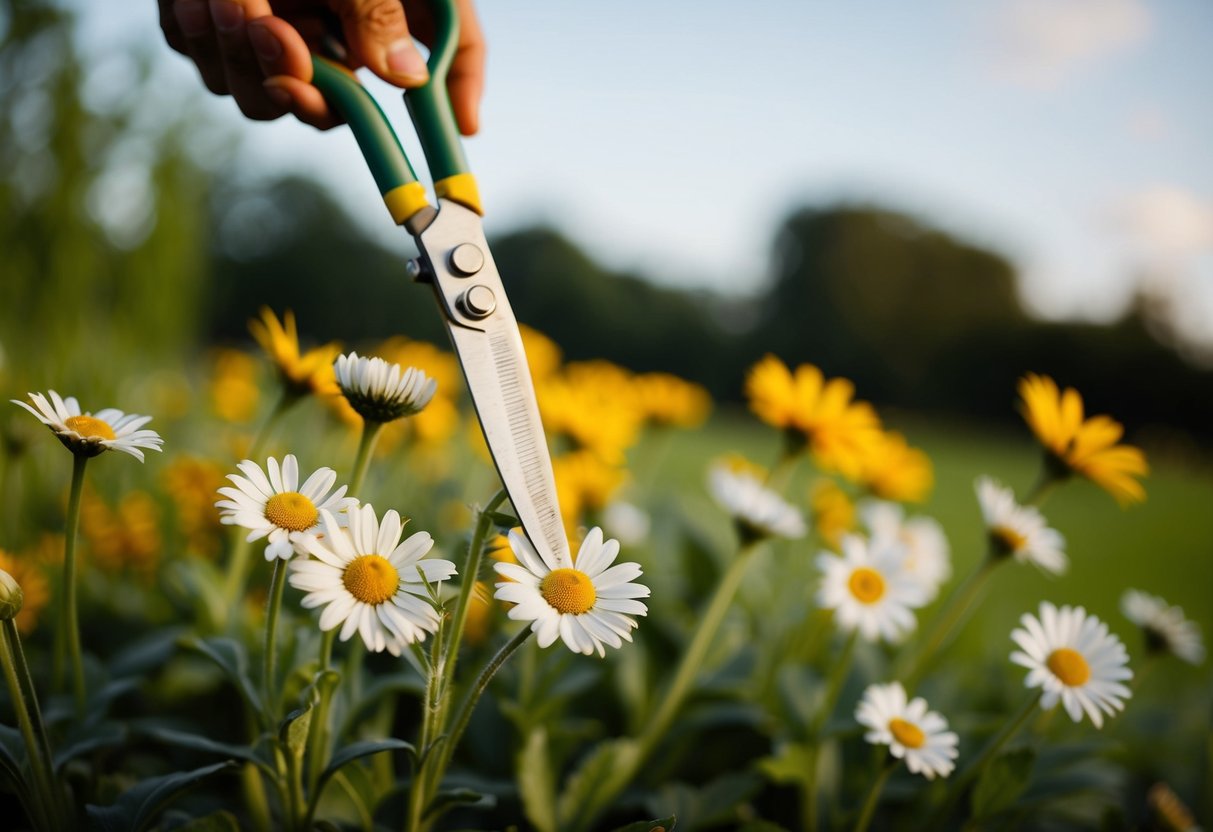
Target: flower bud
x=11, y=596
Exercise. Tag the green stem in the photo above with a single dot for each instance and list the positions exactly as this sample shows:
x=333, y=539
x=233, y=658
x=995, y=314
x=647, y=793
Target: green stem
x=838, y=677
x=944, y=625
x=46, y=805
x=366, y=444
x=471, y=572
x=318, y=730
x=71, y=621
x=428, y=736
x=272, y=607
x=1049, y=479
x=873, y=799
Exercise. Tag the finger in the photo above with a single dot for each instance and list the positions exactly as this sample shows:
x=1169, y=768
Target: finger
x=240, y=64
x=201, y=44
x=465, y=81
x=280, y=48
x=302, y=100
x=170, y=27
x=378, y=36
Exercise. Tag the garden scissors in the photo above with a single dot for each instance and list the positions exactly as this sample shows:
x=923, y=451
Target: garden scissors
x=455, y=258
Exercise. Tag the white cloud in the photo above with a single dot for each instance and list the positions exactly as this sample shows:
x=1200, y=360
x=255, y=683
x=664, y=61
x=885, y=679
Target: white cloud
x=1040, y=43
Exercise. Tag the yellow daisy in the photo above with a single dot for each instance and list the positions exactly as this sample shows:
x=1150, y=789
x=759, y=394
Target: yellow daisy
x=302, y=373
x=37, y=592
x=666, y=399
x=584, y=483
x=892, y=470
x=1087, y=447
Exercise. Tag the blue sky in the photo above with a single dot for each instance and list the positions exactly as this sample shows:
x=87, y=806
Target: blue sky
x=1072, y=135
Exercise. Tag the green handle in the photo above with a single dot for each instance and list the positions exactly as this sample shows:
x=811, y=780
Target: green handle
x=430, y=106
x=375, y=136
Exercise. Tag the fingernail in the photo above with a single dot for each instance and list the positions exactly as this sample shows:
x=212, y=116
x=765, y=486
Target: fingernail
x=227, y=15
x=264, y=43
x=278, y=95
x=193, y=18
x=404, y=60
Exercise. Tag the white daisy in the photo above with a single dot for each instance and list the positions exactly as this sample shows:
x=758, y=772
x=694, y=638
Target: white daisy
x=587, y=605
x=1019, y=530
x=380, y=391
x=927, y=555
x=758, y=511
x=1073, y=657
x=868, y=589
x=370, y=580
x=89, y=434
x=276, y=507
x=911, y=732
x=1165, y=628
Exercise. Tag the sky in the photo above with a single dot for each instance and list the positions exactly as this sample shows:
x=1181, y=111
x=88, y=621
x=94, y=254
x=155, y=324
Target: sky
x=1073, y=136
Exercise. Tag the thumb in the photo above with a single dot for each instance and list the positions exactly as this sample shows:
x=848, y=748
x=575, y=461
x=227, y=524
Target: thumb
x=378, y=36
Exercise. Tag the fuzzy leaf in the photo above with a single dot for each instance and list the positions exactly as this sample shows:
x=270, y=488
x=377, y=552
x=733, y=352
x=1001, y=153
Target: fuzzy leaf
x=294, y=729
x=536, y=785
x=136, y=808
x=1003, y=781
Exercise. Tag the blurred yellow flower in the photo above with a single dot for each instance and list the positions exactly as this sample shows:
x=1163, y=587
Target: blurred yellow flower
x=1085, y=447
x=584, y=483
x=814, y=411
x=498, y=548
x=127, y=536
x=892, y=470
x=480, y=614
x=440, y=365
x=542, y=353
x=37, y=593
x=833, y=511
x=594, y=406
x=666, y=399
x=309, y=372
x=233, y=389
x=191, y=482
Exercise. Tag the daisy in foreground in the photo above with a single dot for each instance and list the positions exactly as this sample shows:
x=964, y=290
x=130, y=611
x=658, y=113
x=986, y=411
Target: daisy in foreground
x=758, y=511
x=371, y=582
x=1073, y=658
x=925, y=544
x=382, y=392
x=277, y=507
x=912, y=733
x=1019, y=531
x=587, y=605
x=89, y=434
x=869, y=589
x=1164, y=626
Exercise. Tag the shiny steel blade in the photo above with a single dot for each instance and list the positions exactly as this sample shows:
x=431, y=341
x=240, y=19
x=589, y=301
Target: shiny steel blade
x=484, y=332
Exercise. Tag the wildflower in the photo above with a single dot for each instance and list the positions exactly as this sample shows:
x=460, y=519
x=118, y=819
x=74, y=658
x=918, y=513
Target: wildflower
x=191, y=483
x=1073, y=658
x=542, y=353
x=1019, y=531
x=480, y=614
x=382, y=392
x=233, y=388
x=812, y=410
x=276, y=507
x=833, y=511
x=11, y=597
x=892, y=470
x=301, y=373
x=127, y=535
x=87, y=434
x=927, y=554
x=34, y=586
x=587, y=604
x=1165, y=627
x=758, y=511
x=593, y=405
x=1085, y=447
x=360, y=569
x=668, y=400
x=584, y=483
x=869, y=590
x=911, y=732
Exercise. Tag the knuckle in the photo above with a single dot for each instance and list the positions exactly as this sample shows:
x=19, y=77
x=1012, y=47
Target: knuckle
x=377, y=17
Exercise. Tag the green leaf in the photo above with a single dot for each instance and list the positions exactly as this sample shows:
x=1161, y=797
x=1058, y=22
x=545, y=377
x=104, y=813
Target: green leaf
x=502, y=520
x=136, y=808
x=145, y=654
x=357, y=750
x=712, y=804
x=595, y=768
x=232, y=659
x=221, y=821
x=196, y=742
x=536, y=786
x=294, y=729
x=660, y=825
x=791, y=765
x=451, y=798
x=1005, y=778
x=12, y=755
x=89, y=738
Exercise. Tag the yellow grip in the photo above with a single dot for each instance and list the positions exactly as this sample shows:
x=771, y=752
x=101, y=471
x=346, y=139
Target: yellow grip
x=404, y=201
x=460, y=188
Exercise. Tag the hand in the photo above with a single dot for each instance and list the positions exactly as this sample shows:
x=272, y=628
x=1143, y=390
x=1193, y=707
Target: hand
x=263, y=60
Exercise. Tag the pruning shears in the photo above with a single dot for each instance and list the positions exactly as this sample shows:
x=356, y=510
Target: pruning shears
x=455, y=259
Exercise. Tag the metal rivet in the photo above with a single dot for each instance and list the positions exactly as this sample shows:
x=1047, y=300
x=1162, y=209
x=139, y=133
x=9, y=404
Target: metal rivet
x=416, y=271
x=478, y=301
x=466, y=259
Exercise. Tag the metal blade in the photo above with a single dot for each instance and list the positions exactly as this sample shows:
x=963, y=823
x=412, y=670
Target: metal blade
x=484, y=332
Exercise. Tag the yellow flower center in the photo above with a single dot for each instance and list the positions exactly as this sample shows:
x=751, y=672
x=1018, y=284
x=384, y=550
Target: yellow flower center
x=568, y=591
x=291, y=511
x=371, y=579
x=907, y=733
x=90, y=427
x=1069, y=666
x=1006, y=537
x=867, y=585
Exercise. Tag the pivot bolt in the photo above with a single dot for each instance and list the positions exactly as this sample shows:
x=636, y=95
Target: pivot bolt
x=417, y=271
x=466, y=259
x=478, y=301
